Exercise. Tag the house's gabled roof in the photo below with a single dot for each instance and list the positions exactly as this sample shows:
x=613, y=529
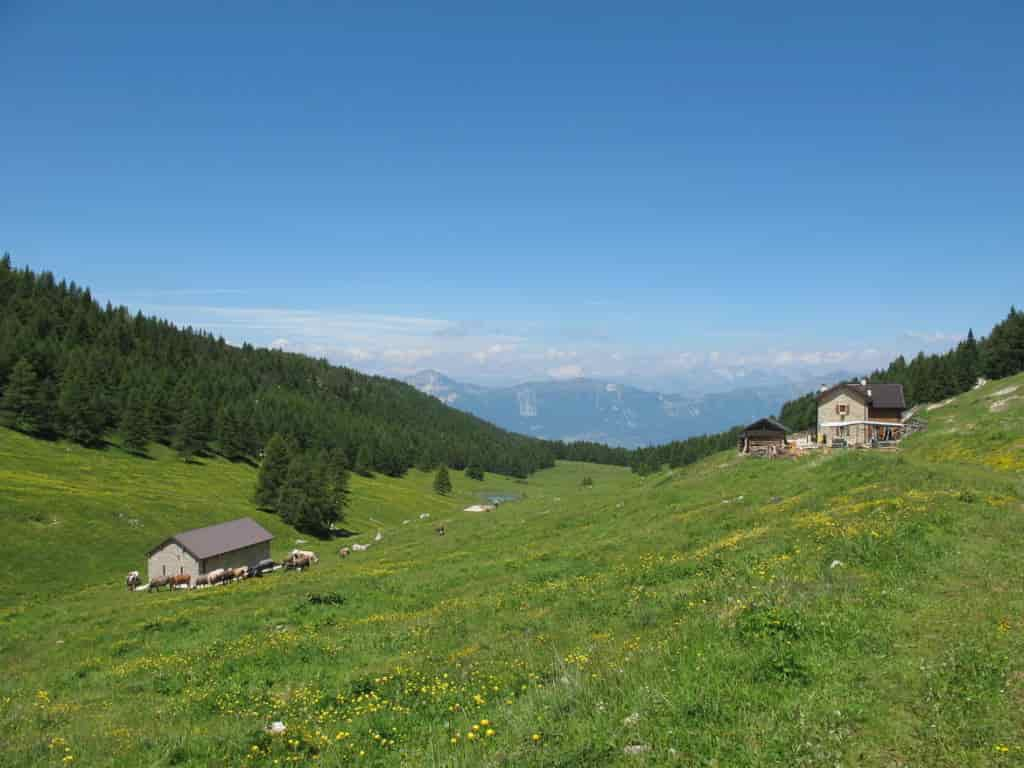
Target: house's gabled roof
x=767, y=424
x=214, y=540
x=882, y=394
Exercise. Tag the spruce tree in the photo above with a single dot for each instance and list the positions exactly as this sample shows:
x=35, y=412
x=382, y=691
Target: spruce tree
x=442, y=483
x=277, y=456
x=21, y=402
x=475, y=472
x=135, y=425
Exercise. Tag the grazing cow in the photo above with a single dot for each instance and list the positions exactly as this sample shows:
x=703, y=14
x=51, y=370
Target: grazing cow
x=344, y=552
x=216, y=576
x=182, y=579
x=133, y=581
x=202, y=580
x=424, y=515
x=298, y=563
x=239, y=573
x=440, y=530
x=159, y=581
x=360, y=547
x=305, y=553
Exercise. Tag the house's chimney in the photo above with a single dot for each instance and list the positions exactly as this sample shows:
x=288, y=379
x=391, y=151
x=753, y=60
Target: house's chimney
x=863, y=382
x=823, y=388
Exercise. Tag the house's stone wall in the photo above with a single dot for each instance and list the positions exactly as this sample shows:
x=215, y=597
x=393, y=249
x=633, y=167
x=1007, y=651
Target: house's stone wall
x=171, y=560
x=854, y=434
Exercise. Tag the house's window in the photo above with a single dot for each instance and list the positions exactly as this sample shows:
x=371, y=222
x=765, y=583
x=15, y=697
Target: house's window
x=842, y=408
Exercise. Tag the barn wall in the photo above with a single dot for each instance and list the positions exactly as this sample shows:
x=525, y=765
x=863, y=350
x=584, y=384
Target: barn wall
x=171, y=560
x=245, y=556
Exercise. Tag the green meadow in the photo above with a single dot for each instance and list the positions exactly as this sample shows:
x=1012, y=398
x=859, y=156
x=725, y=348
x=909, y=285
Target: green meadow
x=852, y=609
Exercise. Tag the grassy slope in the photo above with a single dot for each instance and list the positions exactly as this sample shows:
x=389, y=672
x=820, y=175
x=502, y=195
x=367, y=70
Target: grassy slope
x=100, y=511
x=700, y=614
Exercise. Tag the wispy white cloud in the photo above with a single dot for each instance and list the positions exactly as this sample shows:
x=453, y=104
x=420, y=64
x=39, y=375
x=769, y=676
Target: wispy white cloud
x=397, y=345
x=934, y=337
x=566, y=372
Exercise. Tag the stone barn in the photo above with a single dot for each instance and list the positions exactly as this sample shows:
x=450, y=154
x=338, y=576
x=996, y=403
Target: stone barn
x=765, y=437
x=201, y=550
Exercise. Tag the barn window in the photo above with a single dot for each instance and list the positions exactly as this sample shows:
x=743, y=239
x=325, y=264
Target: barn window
x=165, y=569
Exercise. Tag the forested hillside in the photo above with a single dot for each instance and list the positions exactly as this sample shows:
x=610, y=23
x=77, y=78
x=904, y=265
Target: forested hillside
x=70, y=368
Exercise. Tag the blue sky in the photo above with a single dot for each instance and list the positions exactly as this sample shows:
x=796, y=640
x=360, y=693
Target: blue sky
x=638, y=191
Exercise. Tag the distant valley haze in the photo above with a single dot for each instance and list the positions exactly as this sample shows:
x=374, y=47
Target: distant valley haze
x=613, y=413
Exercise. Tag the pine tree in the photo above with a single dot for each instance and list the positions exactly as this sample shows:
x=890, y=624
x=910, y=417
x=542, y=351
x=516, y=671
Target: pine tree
x=475, y=472
x=273, y=471
x=305, y=500
x=442, y=483
x=21, y=402
x=80, y=413
x=336, y=472
x=229, y=434
x=364, y=461
x=135, y=425
x=190, y=438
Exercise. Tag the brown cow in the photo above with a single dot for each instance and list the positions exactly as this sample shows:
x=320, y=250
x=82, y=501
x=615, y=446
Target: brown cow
x=159, y=581
x=238, y=573
x=181, y=579
x=344, y=552
x=133, y=580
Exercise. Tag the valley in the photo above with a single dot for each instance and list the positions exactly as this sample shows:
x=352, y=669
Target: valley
x=736, y=611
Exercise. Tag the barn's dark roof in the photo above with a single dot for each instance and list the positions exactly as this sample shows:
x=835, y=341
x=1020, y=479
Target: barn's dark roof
x=217, y=539
x=883, y=394
x=767, y=424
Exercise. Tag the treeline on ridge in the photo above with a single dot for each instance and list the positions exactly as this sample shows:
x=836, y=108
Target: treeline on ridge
x=70, y=368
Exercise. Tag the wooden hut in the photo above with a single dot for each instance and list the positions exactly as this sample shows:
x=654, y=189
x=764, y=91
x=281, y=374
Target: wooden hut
x=765, y=437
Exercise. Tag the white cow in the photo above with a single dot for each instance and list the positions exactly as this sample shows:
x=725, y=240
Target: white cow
x=424, y=515
x=305, y=553
x=379, y=536
x=360, y=547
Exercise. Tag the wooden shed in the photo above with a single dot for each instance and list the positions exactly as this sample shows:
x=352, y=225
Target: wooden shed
x=765, y=437
x=201, y=550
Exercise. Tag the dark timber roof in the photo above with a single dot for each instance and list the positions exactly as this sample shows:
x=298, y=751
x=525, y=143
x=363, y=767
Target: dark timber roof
x=883, y=394
x=767, y=425
x=213, y=540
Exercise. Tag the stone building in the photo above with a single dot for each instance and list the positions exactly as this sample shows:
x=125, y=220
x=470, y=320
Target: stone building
x=860, y=413
x=201, y=550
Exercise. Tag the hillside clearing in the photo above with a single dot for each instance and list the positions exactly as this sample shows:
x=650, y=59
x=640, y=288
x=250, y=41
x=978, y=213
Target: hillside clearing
x=853, y=609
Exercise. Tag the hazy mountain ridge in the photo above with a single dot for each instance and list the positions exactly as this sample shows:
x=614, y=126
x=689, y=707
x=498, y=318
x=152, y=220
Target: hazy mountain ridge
x=608, y=412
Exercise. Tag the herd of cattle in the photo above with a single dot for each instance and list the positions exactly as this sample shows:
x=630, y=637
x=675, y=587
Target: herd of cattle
x=298, y=560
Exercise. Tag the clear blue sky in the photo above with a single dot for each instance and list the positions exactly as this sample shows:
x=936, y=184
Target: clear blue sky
x=606, y=189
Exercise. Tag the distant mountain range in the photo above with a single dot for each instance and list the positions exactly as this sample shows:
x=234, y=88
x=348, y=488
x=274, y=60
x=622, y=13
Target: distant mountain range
x=612, y=413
